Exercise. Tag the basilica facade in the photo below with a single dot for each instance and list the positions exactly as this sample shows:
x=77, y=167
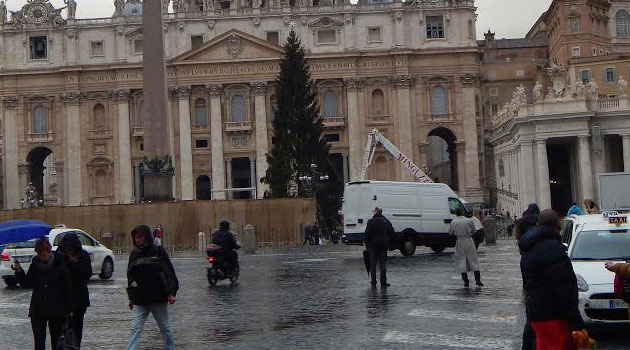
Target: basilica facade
x=72, y=101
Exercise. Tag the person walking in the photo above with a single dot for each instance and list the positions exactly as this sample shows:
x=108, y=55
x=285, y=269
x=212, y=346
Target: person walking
x=465, y=252
x=52, y=294
x=80, y=270
x=379, y=233
x=151, y=285
x=550, y=285
x=158, y=233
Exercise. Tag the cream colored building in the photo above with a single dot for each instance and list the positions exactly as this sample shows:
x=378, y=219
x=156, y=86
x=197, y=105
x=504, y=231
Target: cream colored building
x=72, y=89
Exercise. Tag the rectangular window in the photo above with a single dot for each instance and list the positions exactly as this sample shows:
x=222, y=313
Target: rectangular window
x=273, y=37
x=201, y=143
x=435, y=27
x=331, y=137
x=575, y=25
x=38, y=47
x=495, y=109
x=585, y=76
x=494, y=92
x=374, y=35
x=520, y=73
x=594, y=51
x=601, y=52
x=97, y=48
x=610, y=75
x=327, y=36
x=501, y=168
x=196, y=41
x=575, y=52
x=138, y=46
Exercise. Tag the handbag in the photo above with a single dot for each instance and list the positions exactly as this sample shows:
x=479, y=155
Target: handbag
x=68, y=339
x=622, y=288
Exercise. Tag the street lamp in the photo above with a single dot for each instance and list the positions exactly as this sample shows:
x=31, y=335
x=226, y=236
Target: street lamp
x=31, y=197
x=311, y=183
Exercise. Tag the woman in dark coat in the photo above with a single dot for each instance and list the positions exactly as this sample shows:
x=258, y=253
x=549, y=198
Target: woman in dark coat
x=52, y=294
x=80, y=269
x=551, y=294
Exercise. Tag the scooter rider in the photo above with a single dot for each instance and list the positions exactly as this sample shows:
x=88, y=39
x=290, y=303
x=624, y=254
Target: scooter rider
x=223, y=237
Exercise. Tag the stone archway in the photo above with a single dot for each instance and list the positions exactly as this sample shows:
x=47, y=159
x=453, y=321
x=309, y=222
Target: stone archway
x=204, y=187
x=442, y=157
x=41, y=172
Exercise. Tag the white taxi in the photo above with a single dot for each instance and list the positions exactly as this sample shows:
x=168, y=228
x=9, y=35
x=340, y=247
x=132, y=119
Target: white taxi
x=102, y=258
x=597, y=239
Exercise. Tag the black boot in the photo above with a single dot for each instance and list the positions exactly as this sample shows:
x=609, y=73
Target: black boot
x=478, y=278
x=465, y=279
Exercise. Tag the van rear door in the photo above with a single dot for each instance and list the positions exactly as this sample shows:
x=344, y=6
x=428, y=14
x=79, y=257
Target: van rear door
x=357, y=203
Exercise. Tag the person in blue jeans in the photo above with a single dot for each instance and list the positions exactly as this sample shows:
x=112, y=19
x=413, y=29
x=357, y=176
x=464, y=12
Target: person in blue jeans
x=151, y=286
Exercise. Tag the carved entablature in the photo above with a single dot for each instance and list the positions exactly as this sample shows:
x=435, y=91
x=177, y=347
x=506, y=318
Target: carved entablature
x=402, y=81
x=181, y=91
x=121, y=95
x=214, y=89
x=354, y=84
x=73, y=98
x=326, y=22
x=442, y=3
x=10, y=101
x=259, y=88
x=37, y=13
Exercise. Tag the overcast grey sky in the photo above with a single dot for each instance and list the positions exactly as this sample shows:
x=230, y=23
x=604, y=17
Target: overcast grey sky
x=507, y=18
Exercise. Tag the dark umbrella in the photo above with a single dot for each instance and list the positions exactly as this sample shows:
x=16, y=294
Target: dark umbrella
x=366, y=260
x=16, y=231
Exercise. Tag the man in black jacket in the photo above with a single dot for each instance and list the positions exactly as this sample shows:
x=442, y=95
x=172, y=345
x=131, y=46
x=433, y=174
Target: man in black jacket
x=225, y=238
x=378, y=235
x=152, y=284
x=80, y=270
x=551, y=294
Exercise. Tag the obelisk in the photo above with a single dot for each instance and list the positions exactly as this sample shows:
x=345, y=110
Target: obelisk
x=158, y=184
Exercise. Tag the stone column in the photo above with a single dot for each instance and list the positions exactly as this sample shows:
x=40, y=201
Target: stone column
x=216, y=142
x=228, y=184
x=10, y=157
x=125, y=172
x=405, y=138
x=527, y=157
x=460, y=148
x=469, y=84
x=355, y=154
x=73, y=149
x=626, y=152
x=586, y=172
x=252, y=176
x=544, y=192
x=262, y=144
x=185, y=144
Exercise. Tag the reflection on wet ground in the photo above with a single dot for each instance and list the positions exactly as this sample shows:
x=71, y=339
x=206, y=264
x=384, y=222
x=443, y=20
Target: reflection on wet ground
x=317, y=301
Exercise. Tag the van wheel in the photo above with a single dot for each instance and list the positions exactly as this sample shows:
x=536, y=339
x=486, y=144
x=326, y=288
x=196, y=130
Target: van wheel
x=438, y=248
x=408, y=247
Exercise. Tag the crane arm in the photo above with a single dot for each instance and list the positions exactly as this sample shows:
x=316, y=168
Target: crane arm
x=375, y=138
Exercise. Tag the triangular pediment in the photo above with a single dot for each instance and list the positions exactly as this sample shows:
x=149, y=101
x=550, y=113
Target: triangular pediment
x=229, y=46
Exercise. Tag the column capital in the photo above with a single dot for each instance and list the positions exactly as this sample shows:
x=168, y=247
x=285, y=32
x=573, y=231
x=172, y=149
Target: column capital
x=469, y=79
x=120, y=95
x=73, y=98
x=259, y=88
x=540, y=141
x=402, y=81
x=10, y=101
x=583, y=138
x=214, y=89
x=181, y=91
x=354, y=84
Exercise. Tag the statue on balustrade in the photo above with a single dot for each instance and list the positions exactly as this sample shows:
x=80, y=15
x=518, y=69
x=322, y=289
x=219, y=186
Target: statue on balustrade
x=3, y=12
x=71, y=5
x=623, y=86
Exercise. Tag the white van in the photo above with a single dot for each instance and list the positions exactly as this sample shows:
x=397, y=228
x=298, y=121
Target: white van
x=421, y=213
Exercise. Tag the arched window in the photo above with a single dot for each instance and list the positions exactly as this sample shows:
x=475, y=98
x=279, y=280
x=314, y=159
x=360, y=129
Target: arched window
x=438, y=101
x=102, y=183
x=622, y=20
x=201, y=113
x=239, y=112
x=40, y=120
x=331, y=104
x=98, y=115
x=204, y=187
x=378, y=102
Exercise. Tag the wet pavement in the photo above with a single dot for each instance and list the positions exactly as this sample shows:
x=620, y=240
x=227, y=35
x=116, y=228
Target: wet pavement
x=317, y=301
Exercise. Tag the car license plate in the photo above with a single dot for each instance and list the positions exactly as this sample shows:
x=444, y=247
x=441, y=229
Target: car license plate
x=617, y=304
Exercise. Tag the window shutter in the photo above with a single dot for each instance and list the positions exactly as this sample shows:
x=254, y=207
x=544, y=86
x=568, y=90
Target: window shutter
x=615, y=76
x=605, y=76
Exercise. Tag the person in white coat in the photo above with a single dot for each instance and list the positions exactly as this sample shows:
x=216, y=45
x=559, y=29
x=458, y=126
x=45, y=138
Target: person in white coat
x=465, y=252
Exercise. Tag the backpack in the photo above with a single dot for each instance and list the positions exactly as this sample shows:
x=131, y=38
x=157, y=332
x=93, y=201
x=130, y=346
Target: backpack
x=622, y=288
x=157, y=233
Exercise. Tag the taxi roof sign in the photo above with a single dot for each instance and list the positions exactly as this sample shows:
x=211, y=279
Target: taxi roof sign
x=618, y=220
x=609, y=213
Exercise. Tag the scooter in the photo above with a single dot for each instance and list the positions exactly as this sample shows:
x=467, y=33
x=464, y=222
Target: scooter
x=217, y=265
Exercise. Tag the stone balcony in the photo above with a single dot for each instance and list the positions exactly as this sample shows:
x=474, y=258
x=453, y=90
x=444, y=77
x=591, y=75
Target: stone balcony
x=138, y=131
x=236, y=128
x=381, y=119
x=99, y=134
x=40, y=137
x=334, y=123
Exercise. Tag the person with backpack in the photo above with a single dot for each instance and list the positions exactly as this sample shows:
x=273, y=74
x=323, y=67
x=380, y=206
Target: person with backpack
x=151, y=286
x=158, y=233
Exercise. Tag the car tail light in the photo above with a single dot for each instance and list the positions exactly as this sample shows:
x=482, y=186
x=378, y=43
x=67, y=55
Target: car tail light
x=5, y=257
x=210, y=259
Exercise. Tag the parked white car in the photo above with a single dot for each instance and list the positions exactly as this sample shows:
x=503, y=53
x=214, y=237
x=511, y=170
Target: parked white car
x=102, y=258
x=597, y=240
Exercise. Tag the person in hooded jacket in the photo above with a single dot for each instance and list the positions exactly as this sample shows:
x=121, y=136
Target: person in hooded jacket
x=225, y=238
x=80, y=270
x=151, y=285
x=52, y=294
x=550, y=285
x=379, y=233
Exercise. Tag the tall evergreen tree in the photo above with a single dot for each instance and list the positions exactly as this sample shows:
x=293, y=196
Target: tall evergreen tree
x=297, y=142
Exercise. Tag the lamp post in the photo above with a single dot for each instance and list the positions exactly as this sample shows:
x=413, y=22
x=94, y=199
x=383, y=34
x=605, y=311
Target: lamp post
x=311, y=183
x=31, y=197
